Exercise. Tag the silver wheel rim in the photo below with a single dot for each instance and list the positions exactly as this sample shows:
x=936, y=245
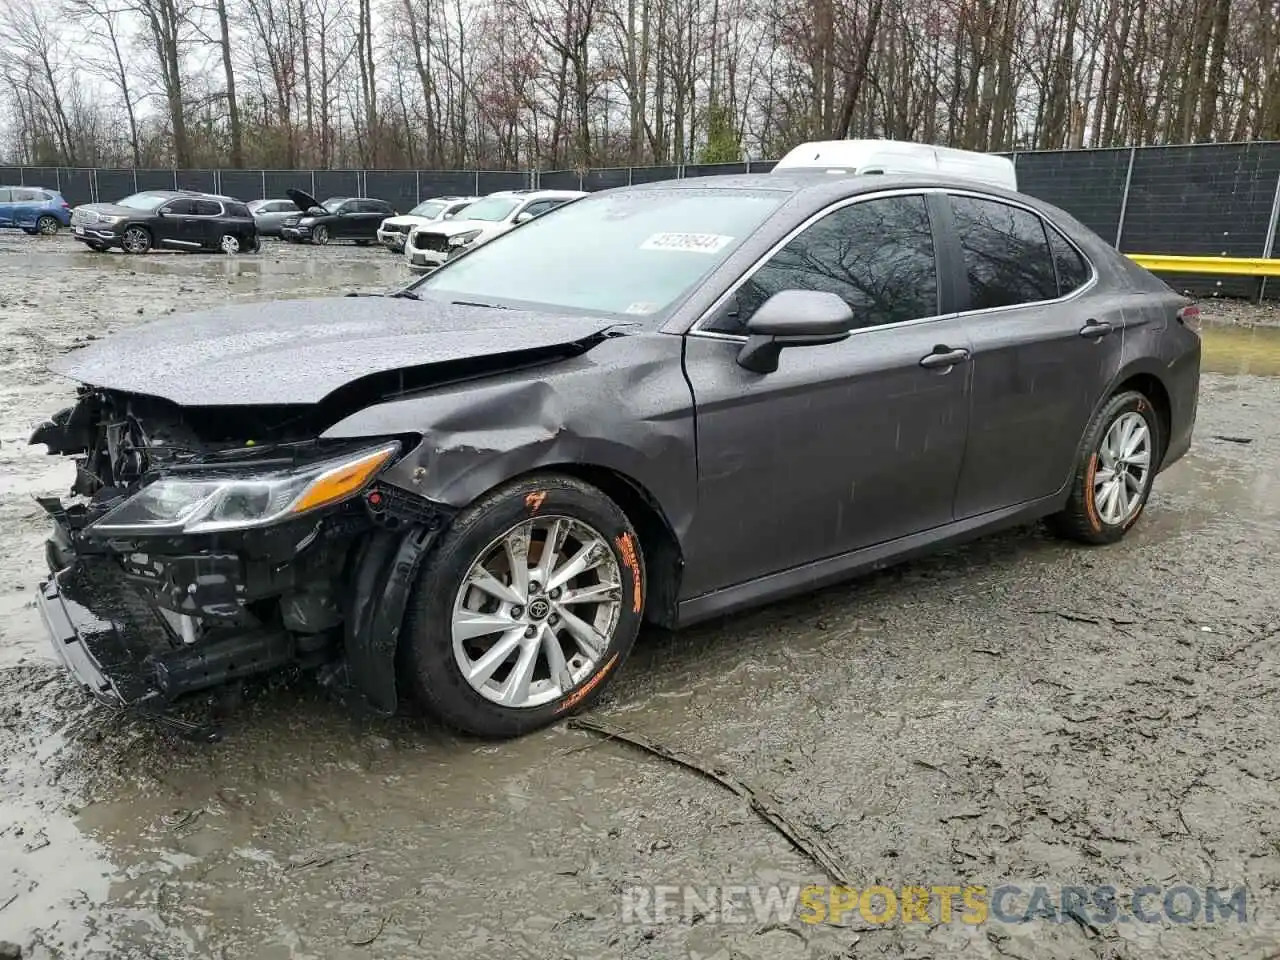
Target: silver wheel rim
x=230, y=244
x=1124, y=461
x=135, y=241
x=48, y=226
x=532, y=621
x=322, y=235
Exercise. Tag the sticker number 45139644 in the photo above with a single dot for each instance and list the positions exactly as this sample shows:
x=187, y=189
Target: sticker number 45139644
x=687, y=242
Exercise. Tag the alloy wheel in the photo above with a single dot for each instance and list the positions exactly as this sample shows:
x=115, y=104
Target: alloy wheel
x=537, y=611
x=136, y=240
x=47, y=226
x=229, y=243
x=1124, y=462
x=320, y=235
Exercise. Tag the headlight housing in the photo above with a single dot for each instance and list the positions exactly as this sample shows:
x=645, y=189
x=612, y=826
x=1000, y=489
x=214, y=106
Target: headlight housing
x=306, y=221
x=194, y=504
x=462, y=239
x=104, y=218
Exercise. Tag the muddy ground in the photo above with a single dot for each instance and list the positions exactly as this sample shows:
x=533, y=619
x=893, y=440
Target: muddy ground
x=1014, y=711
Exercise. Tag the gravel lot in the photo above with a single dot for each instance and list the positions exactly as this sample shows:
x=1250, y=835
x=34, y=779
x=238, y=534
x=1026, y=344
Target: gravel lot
x=1014, y=711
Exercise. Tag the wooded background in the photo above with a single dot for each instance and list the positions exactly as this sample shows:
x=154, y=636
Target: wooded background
x=507, y=84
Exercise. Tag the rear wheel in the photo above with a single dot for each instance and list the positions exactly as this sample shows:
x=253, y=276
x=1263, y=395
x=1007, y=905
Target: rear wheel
x=47, y=225
x=1116, y=468
x=531, y=600
x=230, y=244
x=136, y=240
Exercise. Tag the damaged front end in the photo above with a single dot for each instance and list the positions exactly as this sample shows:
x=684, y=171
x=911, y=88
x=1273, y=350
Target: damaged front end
x=202, y=547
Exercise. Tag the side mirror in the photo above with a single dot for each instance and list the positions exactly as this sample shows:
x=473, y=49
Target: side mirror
x=793, y=318
x=524, y=217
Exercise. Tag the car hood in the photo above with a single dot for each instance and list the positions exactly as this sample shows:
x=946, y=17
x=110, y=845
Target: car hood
x=303, y=200
x=406, y=220
x=451, y=228
x=300, y=351
x=112, y=210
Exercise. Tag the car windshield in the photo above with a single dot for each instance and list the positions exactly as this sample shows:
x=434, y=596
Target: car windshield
x=627, y=253
x=431, y=209
x=492, y=208
x=143, y=201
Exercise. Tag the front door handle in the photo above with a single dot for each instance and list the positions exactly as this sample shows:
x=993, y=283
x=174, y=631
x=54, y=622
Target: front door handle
x=1095, y=330
x=943, y=356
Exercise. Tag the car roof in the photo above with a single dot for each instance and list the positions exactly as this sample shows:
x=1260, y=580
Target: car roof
x=26, y=186
x=821, y=184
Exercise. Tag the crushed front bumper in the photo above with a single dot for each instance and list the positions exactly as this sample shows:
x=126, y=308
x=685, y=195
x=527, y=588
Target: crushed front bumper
x=393, y=240
x=296, y=234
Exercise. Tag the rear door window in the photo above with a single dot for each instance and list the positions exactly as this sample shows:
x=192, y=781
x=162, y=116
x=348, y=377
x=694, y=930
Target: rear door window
x=1006, y=254
x=181, y=208
x=208, y=208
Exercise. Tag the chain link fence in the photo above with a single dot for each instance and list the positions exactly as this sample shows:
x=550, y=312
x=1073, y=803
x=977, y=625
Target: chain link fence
x=1196, y=200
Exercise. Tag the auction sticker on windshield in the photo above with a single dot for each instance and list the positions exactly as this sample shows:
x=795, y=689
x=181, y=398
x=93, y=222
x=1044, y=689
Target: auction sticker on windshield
x=687, y=242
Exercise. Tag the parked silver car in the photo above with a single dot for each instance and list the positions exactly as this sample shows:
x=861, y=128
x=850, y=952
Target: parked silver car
x=270, y=215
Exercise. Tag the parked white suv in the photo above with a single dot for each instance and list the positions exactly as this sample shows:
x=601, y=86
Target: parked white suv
x=431, y=245
x=394, y=230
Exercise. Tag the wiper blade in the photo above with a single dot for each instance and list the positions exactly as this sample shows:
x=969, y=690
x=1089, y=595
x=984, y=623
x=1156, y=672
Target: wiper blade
x=405, y=295
x=477, y=303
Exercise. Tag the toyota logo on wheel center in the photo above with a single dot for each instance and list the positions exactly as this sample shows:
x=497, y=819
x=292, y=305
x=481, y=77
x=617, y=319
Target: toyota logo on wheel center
x=538, y=609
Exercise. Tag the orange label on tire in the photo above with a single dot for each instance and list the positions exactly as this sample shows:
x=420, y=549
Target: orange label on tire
x=629, y=560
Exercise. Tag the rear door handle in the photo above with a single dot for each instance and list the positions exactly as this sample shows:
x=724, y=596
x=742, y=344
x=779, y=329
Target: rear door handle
x=943, y=356
x=1095, y=330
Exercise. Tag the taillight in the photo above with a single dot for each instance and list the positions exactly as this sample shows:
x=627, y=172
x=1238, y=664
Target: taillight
x=1189, y=317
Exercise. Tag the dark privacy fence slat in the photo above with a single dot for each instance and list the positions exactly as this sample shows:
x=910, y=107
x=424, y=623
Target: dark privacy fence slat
x=1211, y=199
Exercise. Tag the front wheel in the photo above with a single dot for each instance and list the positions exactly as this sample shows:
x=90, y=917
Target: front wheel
x=320, y=236
x=136, y=240
x=1116, y=467
x=531, y=600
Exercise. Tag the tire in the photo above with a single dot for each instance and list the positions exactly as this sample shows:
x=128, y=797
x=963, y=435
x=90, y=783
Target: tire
x=230, y=244
x=320, y=235
x=1091, y=515
x=431, y=662
x=47, y=226
x=136, y=240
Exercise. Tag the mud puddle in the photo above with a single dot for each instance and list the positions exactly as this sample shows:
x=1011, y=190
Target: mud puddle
x=1013, y=711
x=1254, y=351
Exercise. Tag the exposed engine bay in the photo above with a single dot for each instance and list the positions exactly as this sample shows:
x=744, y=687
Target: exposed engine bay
x=213, y=545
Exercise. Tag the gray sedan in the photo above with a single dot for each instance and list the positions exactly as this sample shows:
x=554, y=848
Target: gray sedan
x=270, y=215
x=660, y=403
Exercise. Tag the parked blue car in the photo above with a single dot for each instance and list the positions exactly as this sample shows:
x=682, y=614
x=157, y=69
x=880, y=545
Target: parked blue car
x=34, y=209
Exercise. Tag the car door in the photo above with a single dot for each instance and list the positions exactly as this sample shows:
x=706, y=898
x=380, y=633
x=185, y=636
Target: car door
x=26, y=204
x=372, y=213
x=6, y=207
x=844, y=445
x=1045, y=349
x=176, y=226
x=210, y=223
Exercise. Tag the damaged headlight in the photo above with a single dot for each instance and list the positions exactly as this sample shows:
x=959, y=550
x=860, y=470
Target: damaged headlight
x=462, y=239
x=189, y=505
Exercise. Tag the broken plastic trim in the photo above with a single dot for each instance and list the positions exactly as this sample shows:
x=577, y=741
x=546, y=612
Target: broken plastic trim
x=386, y=570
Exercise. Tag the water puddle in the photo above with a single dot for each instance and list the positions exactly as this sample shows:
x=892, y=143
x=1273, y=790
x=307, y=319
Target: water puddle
x=1241, y=350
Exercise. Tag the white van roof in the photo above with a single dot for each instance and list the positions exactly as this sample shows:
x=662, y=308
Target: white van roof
x=899, y=156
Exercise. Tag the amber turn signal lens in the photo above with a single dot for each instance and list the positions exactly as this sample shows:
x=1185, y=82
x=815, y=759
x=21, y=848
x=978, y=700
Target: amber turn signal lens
x=342, y=481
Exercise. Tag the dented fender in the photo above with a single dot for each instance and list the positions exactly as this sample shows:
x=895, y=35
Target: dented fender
x=625, y=406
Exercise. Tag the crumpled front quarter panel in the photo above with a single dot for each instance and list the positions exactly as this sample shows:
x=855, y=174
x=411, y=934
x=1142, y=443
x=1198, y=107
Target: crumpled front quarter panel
x=624, y=405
